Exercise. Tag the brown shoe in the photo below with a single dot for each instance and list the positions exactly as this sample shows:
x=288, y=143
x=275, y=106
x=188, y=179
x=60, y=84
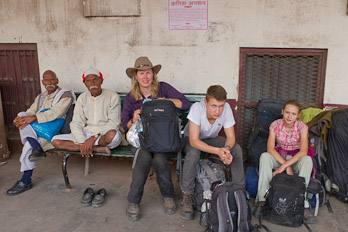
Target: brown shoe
x=308, y=217
x=133, y=211
x=169, y=205
x=187, y=207
x=259, y=208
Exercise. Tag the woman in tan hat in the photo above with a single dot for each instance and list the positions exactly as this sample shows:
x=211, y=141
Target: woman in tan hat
x=145, y=85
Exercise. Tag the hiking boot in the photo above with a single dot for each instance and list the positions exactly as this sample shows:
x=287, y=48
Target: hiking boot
x=133, y=211
x=187, y=207
x=169, y=205
x=308, y=217
x=259, y=209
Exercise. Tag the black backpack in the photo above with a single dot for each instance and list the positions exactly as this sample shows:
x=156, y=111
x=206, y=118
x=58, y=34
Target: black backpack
x=161, y=127
x=230, y=210
x=285, y=200
x=68, y=118
x=268, y=110
x=337, y=157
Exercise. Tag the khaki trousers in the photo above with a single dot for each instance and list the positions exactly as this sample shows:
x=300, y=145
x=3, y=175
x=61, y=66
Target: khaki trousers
x=267, y=164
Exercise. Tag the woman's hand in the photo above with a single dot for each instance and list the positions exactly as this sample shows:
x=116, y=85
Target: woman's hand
x=289, y=171
x=279, y=170
x=136, y=115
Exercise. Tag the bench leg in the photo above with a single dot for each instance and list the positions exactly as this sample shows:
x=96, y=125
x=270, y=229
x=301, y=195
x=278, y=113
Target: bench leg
x=179, y=166
x=65, y=173
x=86, y=166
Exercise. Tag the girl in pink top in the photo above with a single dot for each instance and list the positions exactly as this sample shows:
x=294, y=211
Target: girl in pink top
x=287, y=149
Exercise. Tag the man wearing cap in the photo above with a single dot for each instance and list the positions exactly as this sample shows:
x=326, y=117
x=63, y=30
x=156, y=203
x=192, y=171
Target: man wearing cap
x=96, y=121
x=58, y=101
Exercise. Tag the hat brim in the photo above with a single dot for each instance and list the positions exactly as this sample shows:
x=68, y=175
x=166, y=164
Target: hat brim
x=130, y=71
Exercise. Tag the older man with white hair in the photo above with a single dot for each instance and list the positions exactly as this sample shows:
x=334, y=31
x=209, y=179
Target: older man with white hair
x=96, y=121
x=48, y=106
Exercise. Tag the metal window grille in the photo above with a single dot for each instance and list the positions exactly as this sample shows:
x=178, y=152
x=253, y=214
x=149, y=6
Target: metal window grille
x=278, y=74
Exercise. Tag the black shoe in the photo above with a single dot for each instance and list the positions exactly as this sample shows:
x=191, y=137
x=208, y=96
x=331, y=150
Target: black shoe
x=99, y=198
x=37, y=154
x=87, y=197
x=18, y=188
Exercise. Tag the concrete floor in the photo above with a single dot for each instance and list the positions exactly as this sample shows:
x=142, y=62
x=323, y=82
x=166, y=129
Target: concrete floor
x=49, y=206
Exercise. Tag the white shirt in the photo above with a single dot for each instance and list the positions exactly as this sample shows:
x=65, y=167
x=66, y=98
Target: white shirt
x=198, y=115
x=95, y=114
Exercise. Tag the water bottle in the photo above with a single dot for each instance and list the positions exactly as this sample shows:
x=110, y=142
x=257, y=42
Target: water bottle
x=311, y=143
x=139, y=125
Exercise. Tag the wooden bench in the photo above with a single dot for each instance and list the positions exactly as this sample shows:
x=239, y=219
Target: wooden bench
x=125, y=151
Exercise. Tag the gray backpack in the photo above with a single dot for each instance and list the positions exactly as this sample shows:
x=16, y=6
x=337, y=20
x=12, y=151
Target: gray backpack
x=210, y=173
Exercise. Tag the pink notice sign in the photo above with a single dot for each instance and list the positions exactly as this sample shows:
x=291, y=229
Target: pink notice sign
x=188, y=15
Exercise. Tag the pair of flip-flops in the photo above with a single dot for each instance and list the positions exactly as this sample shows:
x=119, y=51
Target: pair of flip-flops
x=95, y=199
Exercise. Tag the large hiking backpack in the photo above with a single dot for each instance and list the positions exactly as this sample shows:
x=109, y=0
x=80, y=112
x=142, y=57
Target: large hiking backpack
x=268, y=110
x=319, y=183
x=161, y=127
x=210, y=172
x=337, y=162
x=285, y=200
x=230, y=210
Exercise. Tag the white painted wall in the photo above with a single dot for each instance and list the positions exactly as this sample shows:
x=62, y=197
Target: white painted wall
x=69, y=43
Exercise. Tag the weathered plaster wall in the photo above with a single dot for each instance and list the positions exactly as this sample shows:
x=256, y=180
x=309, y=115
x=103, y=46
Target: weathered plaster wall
x=69, y=43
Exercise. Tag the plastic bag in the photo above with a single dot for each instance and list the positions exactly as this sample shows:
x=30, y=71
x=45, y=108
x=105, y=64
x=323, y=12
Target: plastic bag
x=48, y=129
x=132, y=134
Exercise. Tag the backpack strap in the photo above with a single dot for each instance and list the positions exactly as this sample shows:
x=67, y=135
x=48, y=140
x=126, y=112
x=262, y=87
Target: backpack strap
x=135, y=157
x=223, y=212
x=253, y=136
x=307, y=227
x=41, y=100
x=242, y=206
x=256, y=227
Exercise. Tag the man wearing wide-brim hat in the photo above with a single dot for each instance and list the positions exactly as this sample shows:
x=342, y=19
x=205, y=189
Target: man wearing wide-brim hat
x=145, y=86
x=96, y=121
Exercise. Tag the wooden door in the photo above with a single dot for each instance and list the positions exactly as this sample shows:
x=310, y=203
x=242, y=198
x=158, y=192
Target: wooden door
x=19, y=80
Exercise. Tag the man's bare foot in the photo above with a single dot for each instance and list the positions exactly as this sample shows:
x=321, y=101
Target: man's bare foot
x=102, y=150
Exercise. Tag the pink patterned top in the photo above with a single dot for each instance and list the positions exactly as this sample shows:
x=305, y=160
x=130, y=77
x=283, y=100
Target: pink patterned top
x=288, y=140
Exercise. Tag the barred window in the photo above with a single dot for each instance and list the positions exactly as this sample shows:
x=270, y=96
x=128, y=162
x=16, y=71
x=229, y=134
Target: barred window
x=278, y=74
